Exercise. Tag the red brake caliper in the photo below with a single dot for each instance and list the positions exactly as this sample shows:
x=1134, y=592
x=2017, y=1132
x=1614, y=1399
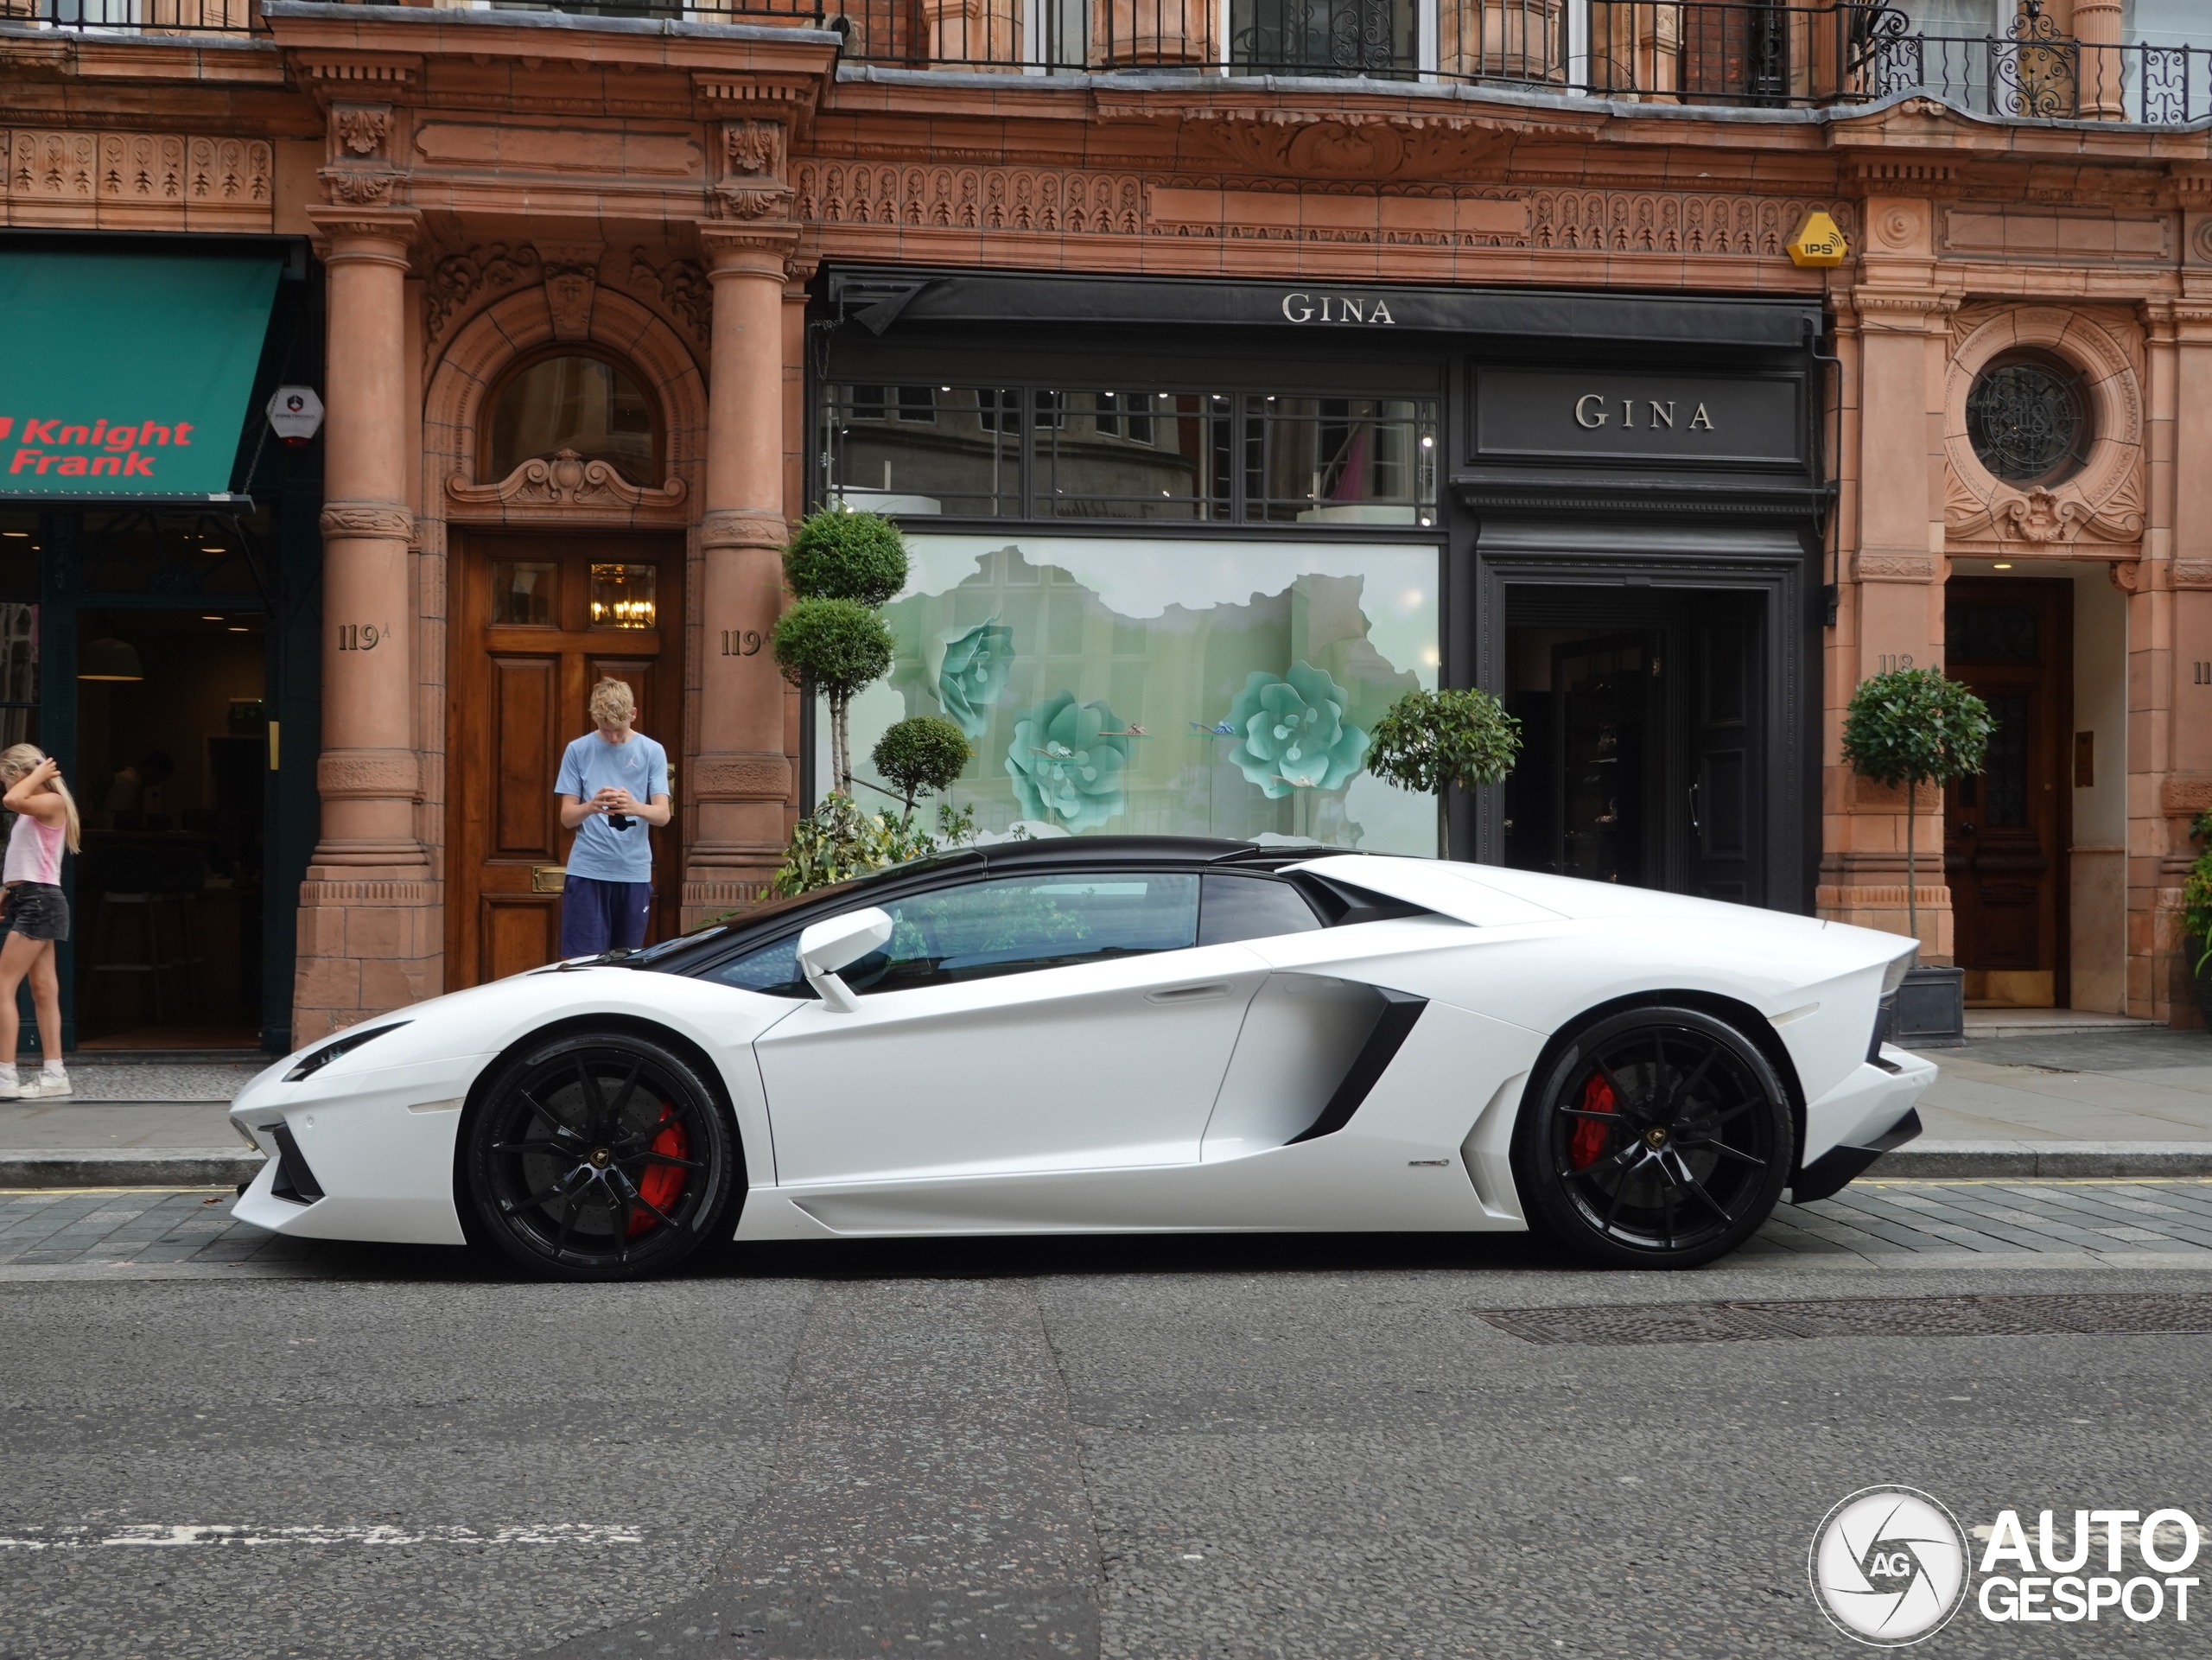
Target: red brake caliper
x=1588, y=1141
x=662, y=1183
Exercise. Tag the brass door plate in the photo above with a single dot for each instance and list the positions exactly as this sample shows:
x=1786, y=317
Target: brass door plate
x=548, y=879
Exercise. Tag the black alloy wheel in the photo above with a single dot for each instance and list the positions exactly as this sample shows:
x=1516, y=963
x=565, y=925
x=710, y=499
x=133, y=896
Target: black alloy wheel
x=1659, y=1138
x=600, y=1156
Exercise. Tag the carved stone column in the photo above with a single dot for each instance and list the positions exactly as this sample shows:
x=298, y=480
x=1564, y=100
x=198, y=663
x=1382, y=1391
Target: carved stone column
x=743, y=773
x=368, y=927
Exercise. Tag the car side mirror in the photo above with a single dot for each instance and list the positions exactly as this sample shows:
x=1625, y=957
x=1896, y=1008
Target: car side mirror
x=827, y=946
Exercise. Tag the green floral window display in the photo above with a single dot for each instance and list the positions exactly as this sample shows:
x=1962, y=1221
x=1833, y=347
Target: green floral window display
x=1128, y=685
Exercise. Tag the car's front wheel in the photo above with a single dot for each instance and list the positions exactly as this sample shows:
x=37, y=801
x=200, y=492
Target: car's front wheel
x=1659, y=1138
x=600, y=1156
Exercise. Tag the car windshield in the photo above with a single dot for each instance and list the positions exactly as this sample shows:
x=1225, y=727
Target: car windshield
x=670, y=954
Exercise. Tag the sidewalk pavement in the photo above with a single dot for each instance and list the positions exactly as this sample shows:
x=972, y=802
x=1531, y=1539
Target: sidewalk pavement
x=2032, y=1093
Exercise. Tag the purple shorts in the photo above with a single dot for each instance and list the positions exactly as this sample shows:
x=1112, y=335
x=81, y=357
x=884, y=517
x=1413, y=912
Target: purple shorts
x=597, y=916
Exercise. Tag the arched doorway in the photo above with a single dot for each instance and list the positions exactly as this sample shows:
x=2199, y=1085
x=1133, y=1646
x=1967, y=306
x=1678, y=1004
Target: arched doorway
x=539, y=613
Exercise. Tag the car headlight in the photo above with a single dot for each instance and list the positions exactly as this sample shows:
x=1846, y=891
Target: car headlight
x=315, y=1059
x=1893, y=976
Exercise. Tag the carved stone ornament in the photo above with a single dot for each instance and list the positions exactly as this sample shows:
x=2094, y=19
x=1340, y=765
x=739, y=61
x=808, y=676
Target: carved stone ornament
x=367, y=518
x=754, y=150
x=1895, y=568
x=737, y=201
x=456, y=279
x=368, y=774
x=682, y=288
x=136, y=179
x=739, y=776
x=2190, y=573
x=357, y=188
x=565, y=479
x=2101, y=503
x=569, y=291
x=361, y=131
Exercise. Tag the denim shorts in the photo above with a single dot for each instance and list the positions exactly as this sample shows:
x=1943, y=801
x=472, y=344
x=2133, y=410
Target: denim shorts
x=37, y=911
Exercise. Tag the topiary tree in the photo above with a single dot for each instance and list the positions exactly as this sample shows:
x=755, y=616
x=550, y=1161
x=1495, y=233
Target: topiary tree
x=1429, y=740
x=1912, y=727
x=2196, y=910
x=922, y=755
x=841, y=566
x=840, y=555
x=835, y=647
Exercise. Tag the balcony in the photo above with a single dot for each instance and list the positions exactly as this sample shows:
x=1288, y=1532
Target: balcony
x=2003, y=58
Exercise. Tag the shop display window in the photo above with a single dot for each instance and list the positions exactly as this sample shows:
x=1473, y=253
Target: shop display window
x=1134, y=455
x=1162, y=685
x=176, y=553
x=1064, y=452
x=1340, y=460
x=924, y=449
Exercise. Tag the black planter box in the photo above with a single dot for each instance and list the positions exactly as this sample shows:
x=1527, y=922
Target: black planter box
x=1931, y=1010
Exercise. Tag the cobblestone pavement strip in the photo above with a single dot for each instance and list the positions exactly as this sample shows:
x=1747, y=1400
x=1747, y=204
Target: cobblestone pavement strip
x=1868, y=1221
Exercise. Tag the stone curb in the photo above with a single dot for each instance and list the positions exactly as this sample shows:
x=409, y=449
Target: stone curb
x=2147, y=1160
x=129, y=1166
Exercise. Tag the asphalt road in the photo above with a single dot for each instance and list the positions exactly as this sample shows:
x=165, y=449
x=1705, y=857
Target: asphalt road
x=1266, y=1447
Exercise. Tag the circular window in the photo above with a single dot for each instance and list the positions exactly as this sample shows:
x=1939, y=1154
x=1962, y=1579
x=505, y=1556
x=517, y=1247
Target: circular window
x=2028, y=419
x=573, y=401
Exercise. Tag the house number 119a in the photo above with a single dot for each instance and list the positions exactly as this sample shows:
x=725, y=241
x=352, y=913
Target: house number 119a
x=358, y=637
x=741, y=642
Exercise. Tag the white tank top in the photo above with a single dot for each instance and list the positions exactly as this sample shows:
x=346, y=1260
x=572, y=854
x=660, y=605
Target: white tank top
x=34, y=852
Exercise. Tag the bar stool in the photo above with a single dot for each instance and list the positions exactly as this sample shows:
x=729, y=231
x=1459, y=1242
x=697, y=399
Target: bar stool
x=126, y=876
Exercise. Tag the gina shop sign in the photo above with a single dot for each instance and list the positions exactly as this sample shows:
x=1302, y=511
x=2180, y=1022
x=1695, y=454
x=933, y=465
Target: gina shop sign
x=1299, y=307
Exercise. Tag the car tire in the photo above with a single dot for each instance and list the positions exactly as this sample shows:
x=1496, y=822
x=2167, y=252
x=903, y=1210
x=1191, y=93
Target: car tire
x=600, y=1155
x=1658, y=1137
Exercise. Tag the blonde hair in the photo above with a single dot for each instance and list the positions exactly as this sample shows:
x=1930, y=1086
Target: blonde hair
x=19, y=759
x=612, y=700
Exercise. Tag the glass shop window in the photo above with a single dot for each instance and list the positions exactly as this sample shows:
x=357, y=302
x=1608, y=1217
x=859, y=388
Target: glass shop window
x=573, y=402
x=1136, y=455
x=1148, y=683
x=1340, y=460
x=923, y=450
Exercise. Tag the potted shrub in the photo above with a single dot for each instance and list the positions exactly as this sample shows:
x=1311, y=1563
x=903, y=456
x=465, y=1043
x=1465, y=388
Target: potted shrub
x=1429, y=740
x=2196, y=915
x=1908, y=728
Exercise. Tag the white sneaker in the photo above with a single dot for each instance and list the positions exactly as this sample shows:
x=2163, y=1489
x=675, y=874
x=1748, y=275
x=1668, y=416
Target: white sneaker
x=10, y=1092
x=44, y=1087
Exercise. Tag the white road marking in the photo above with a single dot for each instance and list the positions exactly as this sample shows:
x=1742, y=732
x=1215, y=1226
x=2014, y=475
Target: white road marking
x=193, y=1533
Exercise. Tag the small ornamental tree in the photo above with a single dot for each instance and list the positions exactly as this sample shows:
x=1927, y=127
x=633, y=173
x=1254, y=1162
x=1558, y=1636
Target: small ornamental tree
x=841, y=566
x=1430, y=740
x=922, y=755
x=2197, y=899
x=1911, y=727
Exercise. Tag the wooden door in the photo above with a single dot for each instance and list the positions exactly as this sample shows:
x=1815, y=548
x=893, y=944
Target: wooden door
x=537, y=621
x=1726, y=729
x=2006, y=831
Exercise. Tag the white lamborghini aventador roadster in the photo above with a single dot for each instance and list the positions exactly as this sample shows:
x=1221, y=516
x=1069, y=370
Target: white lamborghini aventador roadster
x=1117, y=1035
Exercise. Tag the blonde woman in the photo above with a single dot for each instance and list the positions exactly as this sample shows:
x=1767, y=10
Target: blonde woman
x=38, y=914
x=613, y=784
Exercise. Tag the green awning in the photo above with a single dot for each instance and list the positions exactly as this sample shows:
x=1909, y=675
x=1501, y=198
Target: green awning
x=127, y=374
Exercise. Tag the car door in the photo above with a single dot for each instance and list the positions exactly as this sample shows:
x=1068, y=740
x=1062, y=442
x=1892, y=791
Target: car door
x=1054, y=1020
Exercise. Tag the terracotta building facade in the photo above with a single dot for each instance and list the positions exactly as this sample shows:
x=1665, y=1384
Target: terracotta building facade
x=1204, y=386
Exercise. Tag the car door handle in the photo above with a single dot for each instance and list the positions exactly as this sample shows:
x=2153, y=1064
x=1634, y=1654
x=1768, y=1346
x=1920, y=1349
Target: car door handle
x=1189, y=994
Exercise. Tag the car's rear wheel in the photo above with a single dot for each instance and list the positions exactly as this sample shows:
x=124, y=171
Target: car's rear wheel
x=1658, y=1138
x=600, y=1156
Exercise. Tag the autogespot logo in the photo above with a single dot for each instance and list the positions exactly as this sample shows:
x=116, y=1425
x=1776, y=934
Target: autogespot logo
x=1888, y=1566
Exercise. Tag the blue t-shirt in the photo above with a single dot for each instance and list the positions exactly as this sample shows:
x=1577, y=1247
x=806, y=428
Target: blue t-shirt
x=592, y=764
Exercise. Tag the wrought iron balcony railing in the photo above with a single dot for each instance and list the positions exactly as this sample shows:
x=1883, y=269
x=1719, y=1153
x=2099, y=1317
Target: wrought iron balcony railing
x=1715, y=53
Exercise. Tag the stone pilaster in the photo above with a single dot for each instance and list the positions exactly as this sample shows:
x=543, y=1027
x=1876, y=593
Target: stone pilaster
x=743, y=774
x=369, y=934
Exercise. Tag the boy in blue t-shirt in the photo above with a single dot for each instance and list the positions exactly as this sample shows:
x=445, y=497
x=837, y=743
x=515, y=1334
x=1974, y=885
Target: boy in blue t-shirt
x=614, y=783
